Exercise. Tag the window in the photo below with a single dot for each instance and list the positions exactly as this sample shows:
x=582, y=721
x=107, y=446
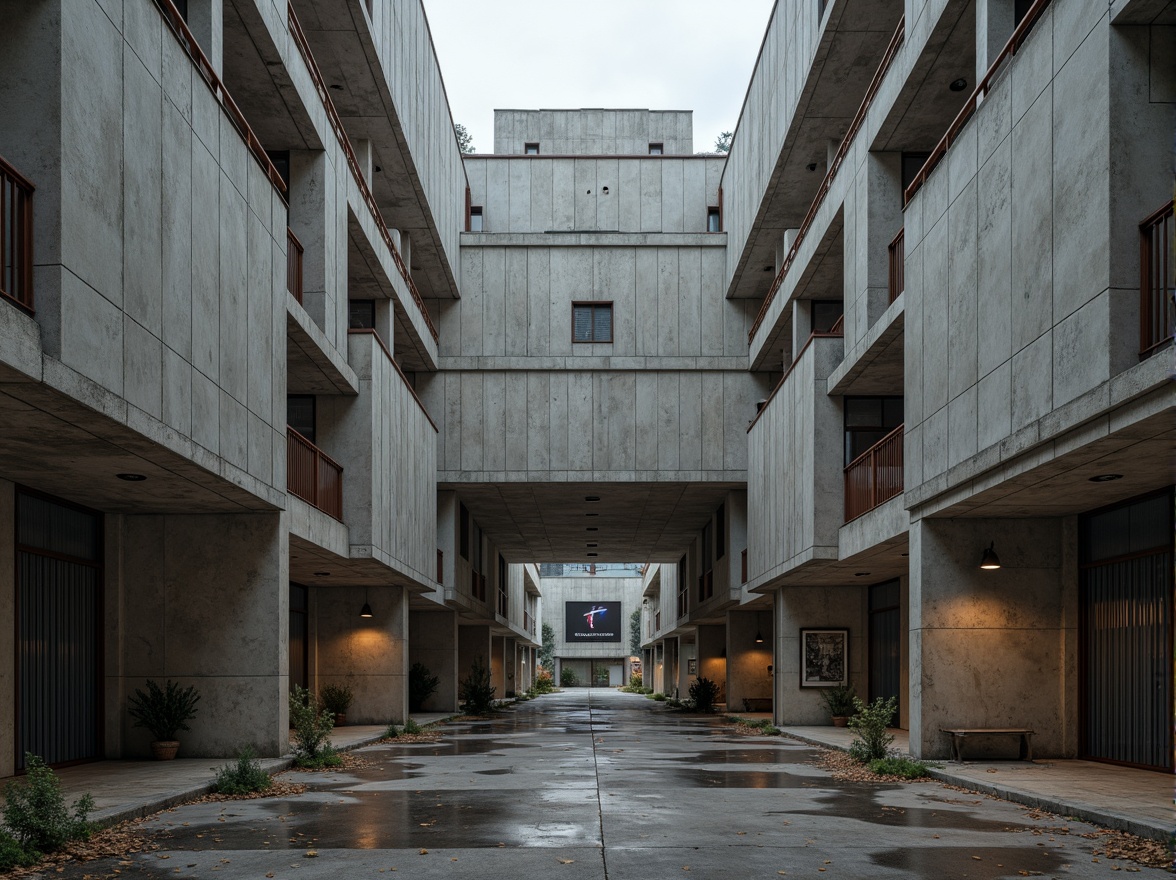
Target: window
x=721, y=532
x=868, y=420
x=300, y=414
x=464, y=529
x=592, y=322
x=531, y=149
x=912, y=164
x=361, y=314
x=280, y=158
x=656, y=149
x=1020, y=9
x=825, y=314
x=683, y=594
x=713, y=223
x=503, y=596
x=475, y=218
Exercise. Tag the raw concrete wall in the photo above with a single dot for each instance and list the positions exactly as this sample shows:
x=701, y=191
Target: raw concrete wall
x=593, y=132
x=432, y=641
x=748, y=675
x=369, y=655
x=473, y=643
x=994, y=648
x=204, y=601
x=498, y=666
x=711, y=649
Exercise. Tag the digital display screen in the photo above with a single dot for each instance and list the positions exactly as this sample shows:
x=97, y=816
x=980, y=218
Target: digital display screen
x=592, y=621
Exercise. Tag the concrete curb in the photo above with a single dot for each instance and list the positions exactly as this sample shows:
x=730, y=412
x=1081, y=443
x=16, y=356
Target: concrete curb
x=1068, y=808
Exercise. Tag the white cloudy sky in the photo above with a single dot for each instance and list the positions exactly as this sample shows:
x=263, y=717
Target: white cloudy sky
x=661, y=54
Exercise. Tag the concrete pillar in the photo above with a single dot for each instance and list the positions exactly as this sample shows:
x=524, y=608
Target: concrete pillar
x=7, y=631
x=363, y=154
x=670, y=666
x=510, y=664
x=473, y=643
x=994, y=648
x=202, y=600
x=322, y=233
x=432, y=641
x=873, y=218
x=747, y=661
x=687, y=651
x=995, y=22
x=498, y=665
x=369, y=655
x=711, y=649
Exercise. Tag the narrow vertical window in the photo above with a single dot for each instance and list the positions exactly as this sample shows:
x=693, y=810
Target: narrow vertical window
x=475, y=218
x=712, y=220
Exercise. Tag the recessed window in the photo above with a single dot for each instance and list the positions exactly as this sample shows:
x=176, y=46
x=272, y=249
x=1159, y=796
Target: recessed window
x=712, y=220
x=531, y=149
x=592, y=322
x=361, y=314
x=475, y=218
x=826, y=313
x=657, y=149
x=721, y=532
x=912, y=164
x=300, y=414
x=868, y=420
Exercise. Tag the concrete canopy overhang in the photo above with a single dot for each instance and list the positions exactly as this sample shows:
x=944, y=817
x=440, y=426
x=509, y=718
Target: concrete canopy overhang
x=321, y=566
x=550, y=522
x=852, y=43
x=313, y=366
x=875, y=365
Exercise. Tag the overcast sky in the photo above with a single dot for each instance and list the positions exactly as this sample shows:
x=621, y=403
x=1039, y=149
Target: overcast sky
x=553, y=54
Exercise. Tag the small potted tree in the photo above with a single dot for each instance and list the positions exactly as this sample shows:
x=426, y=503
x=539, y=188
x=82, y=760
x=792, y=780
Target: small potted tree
x=337, y=699
x=839, y=702
x=164, y=711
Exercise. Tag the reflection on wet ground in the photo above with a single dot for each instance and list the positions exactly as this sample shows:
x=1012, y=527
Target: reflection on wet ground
x=595, y=784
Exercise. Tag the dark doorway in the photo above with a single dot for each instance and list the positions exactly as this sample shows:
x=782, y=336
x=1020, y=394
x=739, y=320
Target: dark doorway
x=885, y=643
x=1125, y=625
x=299, y=637
x=58, y=631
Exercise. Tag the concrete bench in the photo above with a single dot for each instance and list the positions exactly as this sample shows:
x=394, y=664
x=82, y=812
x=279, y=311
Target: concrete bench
x=958, y=735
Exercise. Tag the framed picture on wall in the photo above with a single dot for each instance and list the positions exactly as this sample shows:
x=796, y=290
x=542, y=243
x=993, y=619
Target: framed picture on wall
x=824, y=657
x=692, y=666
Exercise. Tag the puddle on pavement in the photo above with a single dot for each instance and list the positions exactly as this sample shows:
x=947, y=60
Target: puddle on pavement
x=972, y=862
x=859, y=801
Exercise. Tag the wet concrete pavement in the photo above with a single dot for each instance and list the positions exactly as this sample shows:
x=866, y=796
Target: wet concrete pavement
x=599, y=784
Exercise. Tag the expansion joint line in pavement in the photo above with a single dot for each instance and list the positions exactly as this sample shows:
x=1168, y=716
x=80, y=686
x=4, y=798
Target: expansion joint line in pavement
x=596, y=771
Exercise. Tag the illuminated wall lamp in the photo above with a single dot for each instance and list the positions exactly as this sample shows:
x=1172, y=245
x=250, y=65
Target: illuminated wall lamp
x=366, y=610
x=990, y=561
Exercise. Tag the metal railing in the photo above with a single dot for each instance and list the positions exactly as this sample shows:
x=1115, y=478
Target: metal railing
x=897, y=250
x=1156, y=282
x=179, y=27
x=528, y=623
x=827, y=183
x=293, y=265
x=16, y=237
x=313, y=476
x=969, y=108
x=683, y=602
x=874, y=476
x=503, y=603
x=365, y=191
x=657, y=621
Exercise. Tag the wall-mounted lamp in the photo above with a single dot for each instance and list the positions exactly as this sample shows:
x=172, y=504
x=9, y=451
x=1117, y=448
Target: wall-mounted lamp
x=759, y=635
x=990, y=561
x=366, y=610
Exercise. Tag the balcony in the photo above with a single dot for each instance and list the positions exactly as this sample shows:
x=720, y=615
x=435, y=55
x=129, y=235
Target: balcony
x=313, y=476
x=875, y=476
x=528, y=622
x=16, y=238
x=897, y=282
x=1155, y=285
x=503, y=606
x=293, y=265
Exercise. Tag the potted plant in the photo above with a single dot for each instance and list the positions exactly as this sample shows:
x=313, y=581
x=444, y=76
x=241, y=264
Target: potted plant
x=839, y=702
x=337, y=699
x=165, y=712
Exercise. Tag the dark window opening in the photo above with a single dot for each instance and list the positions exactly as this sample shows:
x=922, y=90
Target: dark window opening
x=361, y=314
x=300, y=414
x=721, y=532
x=531, y=149
x=912, y=164
x=475, y=218
x=713, y=223
x=280, y=158
x=1020, y=10
x=657, y=149
x=868, y=420
x=592, y=322
x=464, y=529
x=825, y=314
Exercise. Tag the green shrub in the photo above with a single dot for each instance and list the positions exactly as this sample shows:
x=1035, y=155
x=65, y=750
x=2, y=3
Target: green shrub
x=312, y=729
x=869, y=722
x=839, y=700
x=12, y=854
x=391, y=732
x=544, y=684
x=243, y=777
x=476, y=692
x=336, y=698
x=894, y=766
x=411, y=728
x=163, y=711
x=567, y=678
x=636, y=682
x=328, y=756
x=421, y=685
x=661, y=698
x=704, y=693
x=37, y=817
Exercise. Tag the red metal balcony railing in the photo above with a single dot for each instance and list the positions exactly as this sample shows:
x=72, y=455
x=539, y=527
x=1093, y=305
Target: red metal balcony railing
x=683, y=602
x=969, y=108
x=293, y=265
x=1156, y=284
x=827, y=183
x=16, y=237
x=657, y=621
x=320, y=86
x=898, y=264
x=528, y=622
x=874, y=476
x=503, y=603
x=313, y=476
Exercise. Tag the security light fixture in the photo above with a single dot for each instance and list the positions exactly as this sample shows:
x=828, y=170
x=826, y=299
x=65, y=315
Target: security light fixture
x=958, y=85
x=366, y=610
x=811, y=166
x=593, y=554
x=592, y=544
x=1101, y=478
x=132, y=478
x=990, y=561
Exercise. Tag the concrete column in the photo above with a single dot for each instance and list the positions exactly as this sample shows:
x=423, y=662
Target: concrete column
x=363, y=154
x=993, y=648
x=498, y=665
x=203, y=600
x=669, y=666
x=206, y=21
x=473, y=643
x=385, y=323
x=7, y=631
x=687, y=651
x=510, y=665
x=322, y=233
x=748, y=661
x=369, y=655
x=432, y=640
x=873, y=218
x=711, y=649
x=995, y=22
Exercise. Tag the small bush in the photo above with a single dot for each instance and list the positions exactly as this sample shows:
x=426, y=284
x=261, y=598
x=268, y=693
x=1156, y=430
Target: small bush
x=839, y=700
x=567, y=678
x=12, y=854
x=312, y=728
x=870, y=723
x=635, y=681
x=163, y=711
x=411, y=728
x=544, y=684
x=661, y=698
x=243, y=777
x=904, y=767
x=392, y=732
x=704, y=693
x=336, y=698
x=328, y=756
x=476, y=691
x=37, y=817
x=421, y=685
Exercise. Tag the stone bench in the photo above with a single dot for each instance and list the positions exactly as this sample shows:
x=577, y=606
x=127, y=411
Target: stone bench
x=960, y=734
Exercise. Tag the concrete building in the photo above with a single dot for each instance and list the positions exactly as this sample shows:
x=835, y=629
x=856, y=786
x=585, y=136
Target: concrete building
x=273, y=352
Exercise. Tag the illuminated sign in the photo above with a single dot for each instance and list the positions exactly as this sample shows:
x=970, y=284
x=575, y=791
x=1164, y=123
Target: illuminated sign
x=592, y=621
